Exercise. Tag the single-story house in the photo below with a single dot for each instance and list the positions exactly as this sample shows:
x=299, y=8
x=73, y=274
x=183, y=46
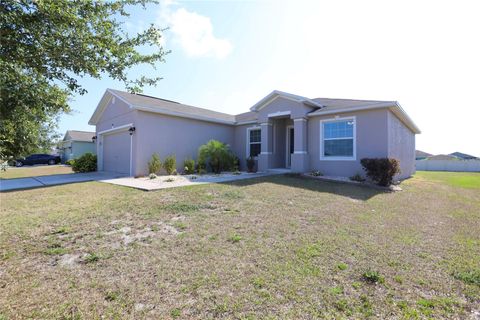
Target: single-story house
x=463, y=156
x=420, y=155
x=443, y=157
x=76, y=143
x=282, y=130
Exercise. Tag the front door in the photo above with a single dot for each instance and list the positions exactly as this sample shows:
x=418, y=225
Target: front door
x=290, y=145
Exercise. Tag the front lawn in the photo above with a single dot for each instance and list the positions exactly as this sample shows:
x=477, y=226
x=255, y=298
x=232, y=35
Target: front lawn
x=455, y=179
x=274, y=247
x=34, y=171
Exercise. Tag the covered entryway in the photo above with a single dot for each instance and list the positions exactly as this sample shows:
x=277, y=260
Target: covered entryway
x=116, y=152
x=290, y=146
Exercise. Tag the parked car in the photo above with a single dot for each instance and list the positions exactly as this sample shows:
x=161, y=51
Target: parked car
x=37, y=159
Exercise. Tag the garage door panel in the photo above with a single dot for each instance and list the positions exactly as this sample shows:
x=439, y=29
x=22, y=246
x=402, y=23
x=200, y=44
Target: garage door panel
x=116, y=152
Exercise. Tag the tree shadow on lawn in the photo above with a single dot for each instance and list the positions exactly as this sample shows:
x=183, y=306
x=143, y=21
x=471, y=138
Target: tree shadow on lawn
x=357, y=192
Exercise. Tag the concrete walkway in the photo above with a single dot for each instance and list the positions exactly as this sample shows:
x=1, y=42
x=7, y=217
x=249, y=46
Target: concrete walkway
x=164, y=182
x=56, y=179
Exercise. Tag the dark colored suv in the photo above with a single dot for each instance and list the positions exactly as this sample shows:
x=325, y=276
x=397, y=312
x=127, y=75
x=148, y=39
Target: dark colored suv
x=37, y=159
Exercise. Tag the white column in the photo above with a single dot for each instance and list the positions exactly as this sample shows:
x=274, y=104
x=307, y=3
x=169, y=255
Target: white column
x=265, y=156
x=300, y=152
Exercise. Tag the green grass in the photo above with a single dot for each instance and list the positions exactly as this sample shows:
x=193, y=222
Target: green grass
x=470, y=180
x=275, y=247
x=34, y=171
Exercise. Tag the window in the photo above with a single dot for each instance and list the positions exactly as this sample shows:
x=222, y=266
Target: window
x=338, y=139
x=254, y=142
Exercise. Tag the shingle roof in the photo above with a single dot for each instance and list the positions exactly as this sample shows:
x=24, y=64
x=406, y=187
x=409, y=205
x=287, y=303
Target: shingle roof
x=419, y=153
x=462, y=155
x=331, y=104
x=321, y=106
x=247, y=116
x=140, y=100
x=76, y=135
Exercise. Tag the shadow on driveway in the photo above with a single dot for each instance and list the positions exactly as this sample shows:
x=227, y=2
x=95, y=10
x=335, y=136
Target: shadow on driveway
x=53, y=180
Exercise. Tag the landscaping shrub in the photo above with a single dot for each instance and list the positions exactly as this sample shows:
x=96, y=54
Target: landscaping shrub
x=357, y=177
x=154, y=165
x=316, y=173
x=217, y=155
x=250, y=164
x=189, y=166
x=170, y=164
x=70, y=162
x=381, y=170
x=85, y=163
x=235, y=164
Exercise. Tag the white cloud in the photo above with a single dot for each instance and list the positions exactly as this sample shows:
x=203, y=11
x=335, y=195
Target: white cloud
x=193, y=32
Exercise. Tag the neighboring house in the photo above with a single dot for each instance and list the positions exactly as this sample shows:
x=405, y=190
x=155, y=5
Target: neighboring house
x=420, y=155
x=281, y=131
x=76, y=143
x=442, y=157
x=463, y=156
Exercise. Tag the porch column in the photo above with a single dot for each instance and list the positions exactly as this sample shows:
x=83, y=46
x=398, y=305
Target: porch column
x=265, y=156
x=300, y=154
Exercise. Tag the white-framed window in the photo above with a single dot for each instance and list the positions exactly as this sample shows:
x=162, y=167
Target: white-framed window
x=338, y=139
x=254, y=141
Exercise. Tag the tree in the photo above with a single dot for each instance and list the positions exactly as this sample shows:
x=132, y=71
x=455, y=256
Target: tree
x=46, y=46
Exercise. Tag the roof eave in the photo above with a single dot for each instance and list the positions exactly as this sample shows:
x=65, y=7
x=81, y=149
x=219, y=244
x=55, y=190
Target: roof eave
x=107, y=95
x=276, y=93
x=181, y=114
x=393, y=106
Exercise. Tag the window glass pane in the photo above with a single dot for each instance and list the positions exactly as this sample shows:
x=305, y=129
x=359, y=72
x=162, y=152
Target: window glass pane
x=255, y=149
x=338, y=148
x=338, y=129
x=255, y=135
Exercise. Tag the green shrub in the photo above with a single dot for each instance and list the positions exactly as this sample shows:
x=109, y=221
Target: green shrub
x=235, y=164
x=250, y=164
x=70, y=162
x=381, y=170
x=85, y=163
x=189, y=166
x=154, y=165
x=170, y=164
x=217, y=155
x=357, y=177
x=316, y=173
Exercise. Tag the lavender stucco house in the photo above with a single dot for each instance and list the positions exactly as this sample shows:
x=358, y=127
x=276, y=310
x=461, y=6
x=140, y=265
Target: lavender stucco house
x=282, y=130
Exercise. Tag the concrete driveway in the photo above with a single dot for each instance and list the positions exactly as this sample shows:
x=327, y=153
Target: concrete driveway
x=56, y=179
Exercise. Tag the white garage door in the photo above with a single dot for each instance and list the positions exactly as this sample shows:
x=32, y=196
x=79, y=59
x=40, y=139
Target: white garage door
x=116, y=152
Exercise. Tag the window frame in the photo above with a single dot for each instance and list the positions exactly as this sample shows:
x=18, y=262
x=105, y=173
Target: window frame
x=248, y=143
x=354, y=138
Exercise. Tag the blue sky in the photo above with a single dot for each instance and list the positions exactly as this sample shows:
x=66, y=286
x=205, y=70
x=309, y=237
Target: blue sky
x=227, y=55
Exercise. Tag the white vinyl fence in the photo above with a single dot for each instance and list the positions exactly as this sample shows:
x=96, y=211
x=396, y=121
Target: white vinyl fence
x=448, y=165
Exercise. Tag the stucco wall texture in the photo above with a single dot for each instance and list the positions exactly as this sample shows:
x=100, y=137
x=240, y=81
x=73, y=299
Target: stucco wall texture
x=379, y=133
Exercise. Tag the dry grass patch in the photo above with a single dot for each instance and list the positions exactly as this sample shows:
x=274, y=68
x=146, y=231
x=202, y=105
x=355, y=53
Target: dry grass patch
x=278, y=247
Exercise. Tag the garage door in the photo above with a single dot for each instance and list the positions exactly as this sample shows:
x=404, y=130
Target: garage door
x=116, y=152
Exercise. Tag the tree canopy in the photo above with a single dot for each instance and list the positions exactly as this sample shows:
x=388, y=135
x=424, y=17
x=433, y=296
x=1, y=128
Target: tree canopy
x=46, y=46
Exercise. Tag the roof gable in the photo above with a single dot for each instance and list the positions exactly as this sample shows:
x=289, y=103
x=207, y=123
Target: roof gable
x=76, y=135
x=276, y=94
x=158, y=105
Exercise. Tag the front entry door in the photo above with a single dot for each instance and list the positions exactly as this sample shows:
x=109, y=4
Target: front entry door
x=290, y=145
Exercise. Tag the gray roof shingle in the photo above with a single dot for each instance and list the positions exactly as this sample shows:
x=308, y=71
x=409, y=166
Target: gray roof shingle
x=141, y=100
x=77, y=135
